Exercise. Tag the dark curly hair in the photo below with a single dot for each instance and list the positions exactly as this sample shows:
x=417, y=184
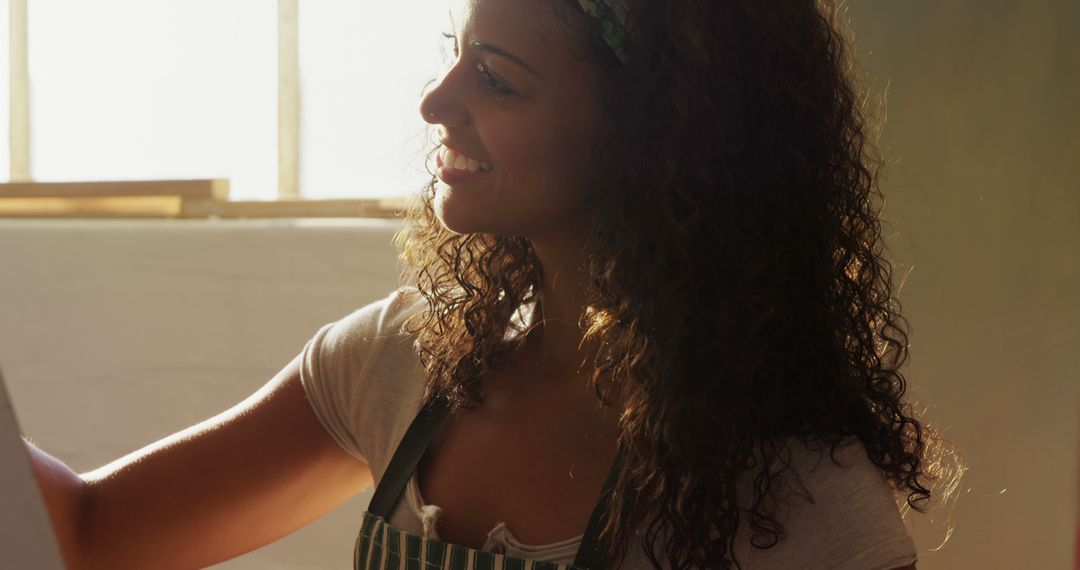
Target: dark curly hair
x=738, y=282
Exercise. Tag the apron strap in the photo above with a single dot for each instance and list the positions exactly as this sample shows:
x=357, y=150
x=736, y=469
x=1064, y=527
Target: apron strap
x=407, y=457
x=415, y=442
x=590, y=554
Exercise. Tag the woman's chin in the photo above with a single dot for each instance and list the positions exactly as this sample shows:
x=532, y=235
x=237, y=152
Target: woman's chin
x=457, y=214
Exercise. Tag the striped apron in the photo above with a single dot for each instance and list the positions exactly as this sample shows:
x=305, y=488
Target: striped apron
x=382, y=547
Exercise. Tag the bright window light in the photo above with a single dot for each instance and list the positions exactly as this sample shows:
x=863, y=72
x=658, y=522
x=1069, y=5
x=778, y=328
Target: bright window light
x=363, y=67
x=5, y=90
x=154, y=89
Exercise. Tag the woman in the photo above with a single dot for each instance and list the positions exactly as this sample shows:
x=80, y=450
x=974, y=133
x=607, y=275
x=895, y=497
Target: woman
x=649, y=323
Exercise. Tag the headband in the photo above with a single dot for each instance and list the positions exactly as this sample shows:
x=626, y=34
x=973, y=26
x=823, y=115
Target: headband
x=611, y=15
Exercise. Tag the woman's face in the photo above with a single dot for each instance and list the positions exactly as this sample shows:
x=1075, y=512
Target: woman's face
x=515, y=98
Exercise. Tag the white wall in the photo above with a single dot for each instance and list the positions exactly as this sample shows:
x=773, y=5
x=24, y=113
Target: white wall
x=114, y=334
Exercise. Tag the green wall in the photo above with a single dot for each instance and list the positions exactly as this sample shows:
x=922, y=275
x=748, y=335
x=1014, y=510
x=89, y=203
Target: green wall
x=983, y=212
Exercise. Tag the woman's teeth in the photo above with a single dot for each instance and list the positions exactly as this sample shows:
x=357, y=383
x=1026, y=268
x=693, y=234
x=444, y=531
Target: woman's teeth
x=458, y=161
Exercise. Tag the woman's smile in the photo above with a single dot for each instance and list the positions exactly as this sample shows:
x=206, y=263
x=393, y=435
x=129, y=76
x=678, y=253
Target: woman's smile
x=455, y=167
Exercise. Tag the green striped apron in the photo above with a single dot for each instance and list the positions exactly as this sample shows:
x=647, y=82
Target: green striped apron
x=382, y=547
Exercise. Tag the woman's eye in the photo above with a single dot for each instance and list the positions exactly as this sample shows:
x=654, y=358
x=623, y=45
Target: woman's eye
x=493, y=82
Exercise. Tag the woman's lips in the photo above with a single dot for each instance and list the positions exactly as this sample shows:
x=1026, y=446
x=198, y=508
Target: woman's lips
x=452, y=175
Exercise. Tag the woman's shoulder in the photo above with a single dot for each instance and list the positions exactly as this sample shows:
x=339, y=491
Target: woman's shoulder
x=382, y=316
x=362, y=376
x=371, y=335
x=837, y=510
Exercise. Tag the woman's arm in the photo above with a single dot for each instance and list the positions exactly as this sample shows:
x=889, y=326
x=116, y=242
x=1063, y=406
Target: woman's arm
x=63, y=490
x=215, y=490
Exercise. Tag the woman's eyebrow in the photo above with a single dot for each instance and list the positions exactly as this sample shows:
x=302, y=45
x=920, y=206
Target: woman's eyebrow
x=493, y=49
x=499, y=51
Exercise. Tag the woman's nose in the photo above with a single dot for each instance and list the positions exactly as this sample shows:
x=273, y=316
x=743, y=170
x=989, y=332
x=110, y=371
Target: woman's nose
x=442, y=103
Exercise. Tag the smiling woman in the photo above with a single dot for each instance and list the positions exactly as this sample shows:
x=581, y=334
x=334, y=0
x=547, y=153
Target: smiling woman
x=646, y=321
x=685, y=193
x=516, y=97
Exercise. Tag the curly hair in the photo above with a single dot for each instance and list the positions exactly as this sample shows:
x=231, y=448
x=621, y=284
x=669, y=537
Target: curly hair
x=737, y=276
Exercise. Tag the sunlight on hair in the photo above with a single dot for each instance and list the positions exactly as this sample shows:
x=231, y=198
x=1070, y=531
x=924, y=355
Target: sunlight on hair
x=945, y=469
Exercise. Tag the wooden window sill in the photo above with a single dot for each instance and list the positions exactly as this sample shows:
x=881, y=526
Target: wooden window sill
x=188, y=199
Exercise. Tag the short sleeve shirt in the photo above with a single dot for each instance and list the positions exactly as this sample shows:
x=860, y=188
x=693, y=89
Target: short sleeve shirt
x=365, y=383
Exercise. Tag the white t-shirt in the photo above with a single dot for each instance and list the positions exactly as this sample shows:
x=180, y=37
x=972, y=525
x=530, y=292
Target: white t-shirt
x=365, y=383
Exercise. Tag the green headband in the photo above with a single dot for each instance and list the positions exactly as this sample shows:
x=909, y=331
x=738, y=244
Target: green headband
x=611, y=14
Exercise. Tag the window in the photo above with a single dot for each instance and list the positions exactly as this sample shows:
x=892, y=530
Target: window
x=5, y=90
x=165, y=90
x=154, y=89
x=363, y=66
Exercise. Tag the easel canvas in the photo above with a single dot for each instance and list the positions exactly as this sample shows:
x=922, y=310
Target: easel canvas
x=26, y=535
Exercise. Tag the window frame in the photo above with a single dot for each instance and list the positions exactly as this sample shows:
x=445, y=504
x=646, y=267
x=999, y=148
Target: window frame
x=22, y=197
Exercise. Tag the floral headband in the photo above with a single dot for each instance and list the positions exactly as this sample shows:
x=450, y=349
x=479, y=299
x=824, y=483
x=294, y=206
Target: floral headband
x=611, y=14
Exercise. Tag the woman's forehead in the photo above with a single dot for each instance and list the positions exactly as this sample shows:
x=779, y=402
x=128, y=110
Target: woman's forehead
x=526, y=28
x=518, y=15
